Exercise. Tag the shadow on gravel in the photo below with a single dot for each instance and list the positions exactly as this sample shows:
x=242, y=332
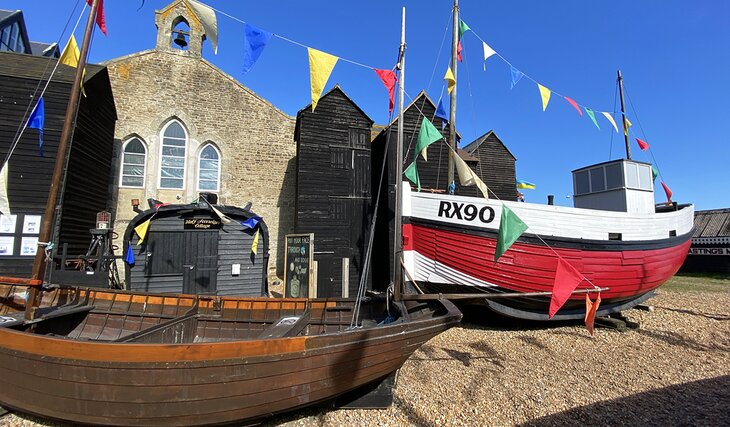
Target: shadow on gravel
x=680, y=340
x=701, y=403
x=479, y=317
x=719, y=317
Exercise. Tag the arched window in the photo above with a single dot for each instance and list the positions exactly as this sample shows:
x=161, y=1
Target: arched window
x=209, y=169
x=134, y=157
x=172, y=161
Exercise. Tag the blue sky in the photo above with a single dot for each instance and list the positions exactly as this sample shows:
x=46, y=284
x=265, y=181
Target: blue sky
x=672, y=54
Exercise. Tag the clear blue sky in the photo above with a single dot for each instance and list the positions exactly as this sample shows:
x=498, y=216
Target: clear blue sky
x=673, y=55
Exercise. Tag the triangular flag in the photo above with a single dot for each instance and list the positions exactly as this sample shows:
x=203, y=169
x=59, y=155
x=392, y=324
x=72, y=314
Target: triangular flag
x=129, y=258
x=441, y=111
x=511, y=228
x=459, y=48
x=627, y=125
x=4, y=201
x=668, y=192
x=427, y=135
x=141, y=231
x=567, y=278
x=254, y=42
x=591, y=309
x=516, y=76
x=388, y=78
x=575, y=105
x=450, y=80
x=642, y=145
x=255, y=244
x=321, y=65
x=251, y=222
x=545, y=95
x=209, y=21
x=412, y=174
x=610, y=119
x=36, y=121
x=100, y=20
x=592, y=116
x=462, y=28
x=224, y=219
x=488, y=51
x=70, y=56
x=467, y=176
x=654, y=173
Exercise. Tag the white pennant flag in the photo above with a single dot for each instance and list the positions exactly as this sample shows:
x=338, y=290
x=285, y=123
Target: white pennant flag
x=4, y=202
x=488, y=51
x=467, y=176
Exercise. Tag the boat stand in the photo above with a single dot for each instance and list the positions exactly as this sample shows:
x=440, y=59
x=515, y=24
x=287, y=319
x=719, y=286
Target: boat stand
x=617, y=321
x=378, y=395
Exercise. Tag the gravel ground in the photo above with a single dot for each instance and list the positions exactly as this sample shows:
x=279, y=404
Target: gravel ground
x=673, y=370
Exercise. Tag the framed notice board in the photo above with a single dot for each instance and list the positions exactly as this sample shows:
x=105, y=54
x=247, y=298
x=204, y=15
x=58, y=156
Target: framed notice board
x=298, y=261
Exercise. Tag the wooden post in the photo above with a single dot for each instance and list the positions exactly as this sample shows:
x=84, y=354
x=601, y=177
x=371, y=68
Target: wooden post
x=623, y=116
x=452, y=106
x=397, y=279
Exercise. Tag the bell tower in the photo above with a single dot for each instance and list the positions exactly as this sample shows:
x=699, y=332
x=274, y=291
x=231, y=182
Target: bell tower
x=179, y=28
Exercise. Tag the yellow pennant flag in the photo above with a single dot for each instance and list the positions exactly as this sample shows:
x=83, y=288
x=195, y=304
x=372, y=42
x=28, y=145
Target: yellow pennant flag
x=610, y=119
x=4, y=201
x=467, y=176
x=321, y=65
x=70, y=56
x=545, y=95
x=255, y=244
x=141, y=231
x=627, y=125
x=450, y=80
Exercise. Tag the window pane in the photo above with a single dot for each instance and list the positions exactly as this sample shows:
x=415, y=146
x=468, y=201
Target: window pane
x=209, y=174
x=209, y=164
x=209, y=153
x=132, y=181
x=172, y=172
x=134, y=170
x=173, y=142
x=597, y=183
x=134, y=159
x=613, y=176
x=175, y=130
x=632, y=175
x=644, y=177
x=208, y=185
x=173, y=151
x=171, y=183
x=173, y=161
x=581, y=183
x=135, y=146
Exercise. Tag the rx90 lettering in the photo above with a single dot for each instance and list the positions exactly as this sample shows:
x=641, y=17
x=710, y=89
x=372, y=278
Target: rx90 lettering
x=466, y=211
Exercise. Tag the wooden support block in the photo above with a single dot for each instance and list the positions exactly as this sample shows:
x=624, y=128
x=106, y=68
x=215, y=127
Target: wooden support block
x=611, y=323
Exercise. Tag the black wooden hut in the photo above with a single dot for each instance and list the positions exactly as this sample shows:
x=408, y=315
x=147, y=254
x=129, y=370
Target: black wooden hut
x=495, y=166
x=333, y=194
x=86, y=189
x=188, y=249
x=710, y=250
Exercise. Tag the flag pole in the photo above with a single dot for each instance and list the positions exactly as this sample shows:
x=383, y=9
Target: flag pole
x=623, y=115
x=452, y=100
x=44, y=237
x=397, y=235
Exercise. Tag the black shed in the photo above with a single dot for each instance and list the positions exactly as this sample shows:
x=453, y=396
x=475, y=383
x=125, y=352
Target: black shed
x=189, y=249
x=333, y=194
x=495, y=166
x=86, y=190
x=710, y=250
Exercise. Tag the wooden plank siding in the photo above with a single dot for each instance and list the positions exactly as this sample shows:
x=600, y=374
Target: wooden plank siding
x=167, y=239
x=496, y=167
x=333, y=195
x=87, y=186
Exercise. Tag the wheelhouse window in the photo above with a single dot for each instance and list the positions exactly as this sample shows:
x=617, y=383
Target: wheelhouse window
x=172, y=161
x=133, y=163
x=209, y=170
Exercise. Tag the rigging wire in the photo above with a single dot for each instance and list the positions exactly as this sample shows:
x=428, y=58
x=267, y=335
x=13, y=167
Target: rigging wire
x=641, y=128
x=438, y=55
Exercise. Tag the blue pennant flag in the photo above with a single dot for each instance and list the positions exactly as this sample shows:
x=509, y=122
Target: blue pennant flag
x=129, y=258
x=35, y=121
x=516, y=76
x=251, y=222
x=441, y=111
x=255, y=40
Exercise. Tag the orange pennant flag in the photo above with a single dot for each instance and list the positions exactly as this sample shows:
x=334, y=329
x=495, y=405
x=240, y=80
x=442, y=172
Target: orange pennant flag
x=591, y=309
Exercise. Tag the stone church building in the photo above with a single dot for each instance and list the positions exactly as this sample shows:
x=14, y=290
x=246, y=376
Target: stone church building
x=185, y=127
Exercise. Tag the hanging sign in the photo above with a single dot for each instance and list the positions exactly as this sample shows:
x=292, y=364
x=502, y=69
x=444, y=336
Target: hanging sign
x=202, y=224
x=298, y=260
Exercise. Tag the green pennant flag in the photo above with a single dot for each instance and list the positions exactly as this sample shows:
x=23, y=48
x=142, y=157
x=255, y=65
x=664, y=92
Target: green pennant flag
x=592, y=116
x=427, y=135
x=412, y=174
x=462, y=28
x=654, y=173
x=510, y=229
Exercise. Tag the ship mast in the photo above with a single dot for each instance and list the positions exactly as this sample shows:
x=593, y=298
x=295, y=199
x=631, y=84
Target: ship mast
x=623, y=116
x=397, y=236
x=452, y=102
x=39, y=264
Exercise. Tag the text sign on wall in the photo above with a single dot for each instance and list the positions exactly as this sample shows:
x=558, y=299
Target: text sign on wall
x=709, y=251
x=201, y=224
x=298, y=259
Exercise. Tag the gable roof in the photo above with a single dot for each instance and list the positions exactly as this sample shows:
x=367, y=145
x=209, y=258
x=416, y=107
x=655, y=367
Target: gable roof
x=473, y=146
x=421, y=94
x=338, y=89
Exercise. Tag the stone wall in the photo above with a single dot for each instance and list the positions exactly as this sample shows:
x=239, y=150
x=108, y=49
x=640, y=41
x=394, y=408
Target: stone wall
x=255, y=139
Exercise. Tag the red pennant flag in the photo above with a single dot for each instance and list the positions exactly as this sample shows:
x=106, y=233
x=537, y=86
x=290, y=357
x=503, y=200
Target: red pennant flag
x=642, y=144
x=575, y=105
x=388, y=78
x=100, y=21
x=458, y=51
x=567, y=278
x=591, y=309
x=668, y=192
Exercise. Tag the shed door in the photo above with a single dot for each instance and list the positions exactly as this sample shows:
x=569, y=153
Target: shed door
x=200, y=268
